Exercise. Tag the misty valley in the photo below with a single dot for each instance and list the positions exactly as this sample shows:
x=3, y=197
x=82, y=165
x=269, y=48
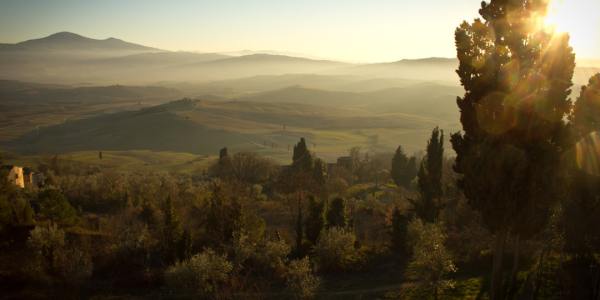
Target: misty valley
x=129, y=171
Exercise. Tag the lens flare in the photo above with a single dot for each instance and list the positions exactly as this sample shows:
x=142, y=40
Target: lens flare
x=587, y=154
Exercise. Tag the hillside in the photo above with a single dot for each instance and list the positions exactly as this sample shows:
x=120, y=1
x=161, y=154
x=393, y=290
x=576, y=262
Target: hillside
x=26, y=106
x=202, y=127
x=252, y=65
x=426, y=99
x=233, y=88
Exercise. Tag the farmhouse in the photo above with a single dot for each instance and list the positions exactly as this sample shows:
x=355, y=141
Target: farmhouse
x=24, y=177
x=15, y=175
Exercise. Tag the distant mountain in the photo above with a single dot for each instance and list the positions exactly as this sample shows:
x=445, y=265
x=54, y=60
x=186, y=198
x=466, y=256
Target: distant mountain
x=427, y=69
x=74, y=59
x=254, y=58
x=159, y=59
x=253, y=65
x=71, y=42
x=271, y=52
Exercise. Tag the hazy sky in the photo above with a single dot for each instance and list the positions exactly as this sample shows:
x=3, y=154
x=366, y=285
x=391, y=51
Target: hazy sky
x=352, y=30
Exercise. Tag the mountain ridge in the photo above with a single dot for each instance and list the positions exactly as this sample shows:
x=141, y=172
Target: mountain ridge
x=65, y=40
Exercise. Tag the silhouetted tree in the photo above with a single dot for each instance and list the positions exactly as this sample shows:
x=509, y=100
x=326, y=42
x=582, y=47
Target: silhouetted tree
x=517, y=78
x=319, y=172
x=399, y=231
x=299, y=230
x=404, y=169
x=580, y=222
x=586, y=117
x=336, y=213
x=302, y=160
x=172, y=232
x=430, y=178
x=430, y=182
x=315, y=220
x=223, y=215
x=223, y=153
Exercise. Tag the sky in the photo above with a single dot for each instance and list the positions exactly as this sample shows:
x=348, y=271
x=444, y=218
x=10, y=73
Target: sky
x=349, y=30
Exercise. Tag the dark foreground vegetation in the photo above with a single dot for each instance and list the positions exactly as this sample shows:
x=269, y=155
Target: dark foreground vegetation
x=513, y=216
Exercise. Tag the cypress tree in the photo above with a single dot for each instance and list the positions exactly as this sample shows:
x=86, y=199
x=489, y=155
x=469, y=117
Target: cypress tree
x=399, y=231
x=517, y=78
x=299, y=230
x=430, y=178
x=336, y=213
x=403, y=168
x=580, y=210
x=315, y=220
x=302, y=159
x=171, y=231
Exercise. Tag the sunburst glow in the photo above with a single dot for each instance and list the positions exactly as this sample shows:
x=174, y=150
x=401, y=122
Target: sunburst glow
x=580, y=19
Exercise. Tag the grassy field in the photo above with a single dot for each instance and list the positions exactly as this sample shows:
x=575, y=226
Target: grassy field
x=138, y=160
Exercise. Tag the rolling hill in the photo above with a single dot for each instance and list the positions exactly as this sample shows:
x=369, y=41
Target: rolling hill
x=264, y=122
x=26, y=106
x=425, y=99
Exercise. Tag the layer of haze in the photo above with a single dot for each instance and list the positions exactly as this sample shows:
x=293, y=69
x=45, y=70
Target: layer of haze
x=350, y=30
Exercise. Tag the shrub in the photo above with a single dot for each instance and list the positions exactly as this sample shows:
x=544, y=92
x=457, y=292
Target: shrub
x=274, y=255
x=47, y=245
x=336, y=251
x=205, y=273
x=431, y=262
x=262, y=258
x=300, y=279
x=53, y=257
x=54, y=206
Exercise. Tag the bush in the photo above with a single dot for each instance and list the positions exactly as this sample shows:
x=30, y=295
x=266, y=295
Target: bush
x=205, y=273
x=53, y=205
x=336, y=251
x=54, y=258
x=274, y=255
x=47, y=245
x=431, y=262
x=300, y=279
x=262, y=258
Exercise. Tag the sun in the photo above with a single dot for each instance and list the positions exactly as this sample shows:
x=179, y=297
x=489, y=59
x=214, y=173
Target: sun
x=581, y=20
x=555, y=19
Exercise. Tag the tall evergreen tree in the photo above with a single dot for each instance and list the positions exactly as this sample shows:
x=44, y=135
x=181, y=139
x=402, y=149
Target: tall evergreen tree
x=404, y=169
x=586, y=111
x=430, y=181
x=172, y=232
x=299, y=230
x=336, y=213
x=223, y=217
x=302, y=159
x=315, y=220
x=580, y=222
x=399, y=231
x=517, y=78
x=319, y=172
x=430, y=178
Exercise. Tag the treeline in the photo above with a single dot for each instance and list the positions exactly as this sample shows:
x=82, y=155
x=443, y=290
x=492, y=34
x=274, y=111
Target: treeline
x=249, y=227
